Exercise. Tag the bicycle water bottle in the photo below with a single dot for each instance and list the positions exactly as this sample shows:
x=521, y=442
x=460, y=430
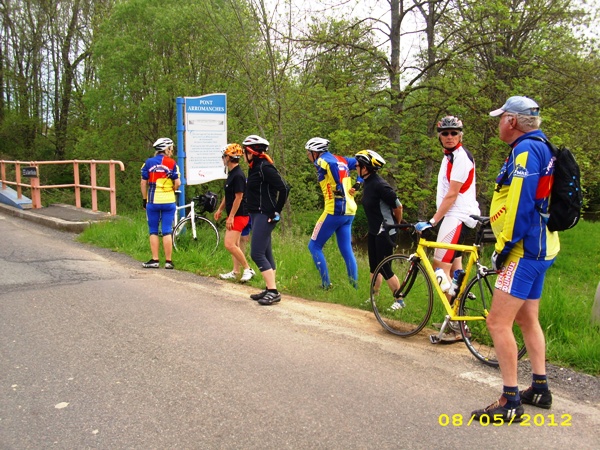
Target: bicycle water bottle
x=442, y=279
x=456, y=282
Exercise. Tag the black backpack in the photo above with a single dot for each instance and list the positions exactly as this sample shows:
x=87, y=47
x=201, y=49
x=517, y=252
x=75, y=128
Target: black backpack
x=566, y=197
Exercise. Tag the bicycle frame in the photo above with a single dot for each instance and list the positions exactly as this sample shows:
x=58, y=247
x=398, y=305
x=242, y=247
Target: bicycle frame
x=191, y=215
x=472, y=250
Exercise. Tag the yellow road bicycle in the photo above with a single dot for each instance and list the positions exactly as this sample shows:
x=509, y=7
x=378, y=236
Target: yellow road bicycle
x=407, y=311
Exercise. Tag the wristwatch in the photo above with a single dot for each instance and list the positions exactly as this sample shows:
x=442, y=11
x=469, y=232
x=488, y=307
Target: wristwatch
x=432, y=222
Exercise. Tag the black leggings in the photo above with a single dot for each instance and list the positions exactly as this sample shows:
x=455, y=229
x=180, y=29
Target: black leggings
x=260, y=244
x=380, y=248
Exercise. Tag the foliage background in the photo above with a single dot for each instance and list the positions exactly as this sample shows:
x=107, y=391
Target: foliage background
x=98, y=79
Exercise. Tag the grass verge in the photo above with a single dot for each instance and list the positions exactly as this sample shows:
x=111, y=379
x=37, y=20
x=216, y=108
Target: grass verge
x=573, y=340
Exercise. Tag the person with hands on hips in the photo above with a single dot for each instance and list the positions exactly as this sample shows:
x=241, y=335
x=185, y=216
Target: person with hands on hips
x=266, y=194
x=333, y=175
x=160, y=180
x=524, y=251
x=234, y=203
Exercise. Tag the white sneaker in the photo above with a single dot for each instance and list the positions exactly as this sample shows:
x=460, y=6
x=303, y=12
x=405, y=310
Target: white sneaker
x=228, y=276
x=398, y=304
x=247, y=275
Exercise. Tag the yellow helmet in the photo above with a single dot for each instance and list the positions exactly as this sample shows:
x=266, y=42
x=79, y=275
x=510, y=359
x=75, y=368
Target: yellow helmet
x=233, y=150
x=370, y=159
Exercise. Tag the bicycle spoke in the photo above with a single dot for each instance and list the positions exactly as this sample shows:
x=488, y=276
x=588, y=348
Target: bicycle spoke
x=477, y=299
x=415, y=292
x=206, y=239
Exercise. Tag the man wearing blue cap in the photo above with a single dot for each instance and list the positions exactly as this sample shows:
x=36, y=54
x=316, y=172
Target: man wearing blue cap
x=524, y=251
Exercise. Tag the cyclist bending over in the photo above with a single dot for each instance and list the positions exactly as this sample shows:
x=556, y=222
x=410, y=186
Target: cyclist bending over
x=333, y=174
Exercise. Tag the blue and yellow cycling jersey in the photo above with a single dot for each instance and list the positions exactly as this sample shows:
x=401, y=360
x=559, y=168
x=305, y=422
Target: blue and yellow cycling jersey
x=522, y=195
x=160, y=171
x=333, y=173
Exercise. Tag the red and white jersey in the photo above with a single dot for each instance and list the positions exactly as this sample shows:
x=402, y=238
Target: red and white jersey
x=459, y=165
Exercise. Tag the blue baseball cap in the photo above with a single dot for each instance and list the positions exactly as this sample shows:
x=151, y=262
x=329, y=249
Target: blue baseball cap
x=518, y=105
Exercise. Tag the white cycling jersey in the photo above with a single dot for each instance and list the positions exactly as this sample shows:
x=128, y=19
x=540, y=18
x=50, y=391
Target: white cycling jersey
x=459, y=165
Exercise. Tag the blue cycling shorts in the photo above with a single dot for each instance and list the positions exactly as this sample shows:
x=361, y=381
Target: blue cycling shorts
x=523, y=278
x=162, y=213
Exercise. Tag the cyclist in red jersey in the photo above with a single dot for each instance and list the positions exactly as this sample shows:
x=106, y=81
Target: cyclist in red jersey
x=160, y=180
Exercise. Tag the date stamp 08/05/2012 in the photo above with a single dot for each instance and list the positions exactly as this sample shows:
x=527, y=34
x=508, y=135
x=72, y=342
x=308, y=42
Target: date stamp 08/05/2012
x=526, y=420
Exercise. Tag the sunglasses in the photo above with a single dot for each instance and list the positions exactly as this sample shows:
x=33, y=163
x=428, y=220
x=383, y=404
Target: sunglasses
x=451, y=133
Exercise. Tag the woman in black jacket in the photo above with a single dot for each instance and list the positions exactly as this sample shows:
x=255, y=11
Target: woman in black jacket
x=266, y=194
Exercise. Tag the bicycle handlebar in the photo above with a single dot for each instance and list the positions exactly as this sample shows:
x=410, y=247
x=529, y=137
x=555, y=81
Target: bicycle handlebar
x=482, y=221
x=395, y=226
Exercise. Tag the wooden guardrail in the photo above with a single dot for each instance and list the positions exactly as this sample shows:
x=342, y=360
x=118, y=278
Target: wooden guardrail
x=30, y=170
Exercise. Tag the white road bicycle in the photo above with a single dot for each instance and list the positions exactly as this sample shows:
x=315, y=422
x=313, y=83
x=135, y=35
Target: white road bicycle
x=194, y=231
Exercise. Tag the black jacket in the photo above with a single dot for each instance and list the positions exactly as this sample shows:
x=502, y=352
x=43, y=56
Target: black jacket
x=266, y=190
x=379, y=201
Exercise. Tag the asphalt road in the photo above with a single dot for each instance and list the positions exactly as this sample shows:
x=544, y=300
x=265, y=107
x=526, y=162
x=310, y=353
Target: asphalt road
x=96, y=352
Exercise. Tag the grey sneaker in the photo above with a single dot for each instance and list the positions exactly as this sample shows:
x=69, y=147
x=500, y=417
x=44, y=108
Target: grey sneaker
x=152, y=264
x=452, y=336
x=247, y=275
x=169, y=265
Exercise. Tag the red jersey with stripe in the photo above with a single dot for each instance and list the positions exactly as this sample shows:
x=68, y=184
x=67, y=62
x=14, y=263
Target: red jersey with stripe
x=160, y=171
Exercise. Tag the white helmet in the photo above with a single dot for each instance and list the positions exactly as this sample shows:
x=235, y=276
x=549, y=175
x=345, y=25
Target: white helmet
x=255, y=140
x=317, y=144
x=162, y=144
x=449, y=123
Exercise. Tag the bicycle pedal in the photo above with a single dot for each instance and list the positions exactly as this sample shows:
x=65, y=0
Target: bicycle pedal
x=434, y=339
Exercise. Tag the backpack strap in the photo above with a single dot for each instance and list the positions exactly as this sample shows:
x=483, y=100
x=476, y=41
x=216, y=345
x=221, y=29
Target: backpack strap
x=552, y=147
x=554, y=150
x=505, y=175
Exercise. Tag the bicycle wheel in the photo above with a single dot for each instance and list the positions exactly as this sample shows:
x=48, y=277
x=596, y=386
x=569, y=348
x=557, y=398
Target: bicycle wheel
x=207, y=235
x=475, y=302
x=415, y=290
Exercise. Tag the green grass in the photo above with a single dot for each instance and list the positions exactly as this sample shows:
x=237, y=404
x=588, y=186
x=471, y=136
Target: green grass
x=565, y=312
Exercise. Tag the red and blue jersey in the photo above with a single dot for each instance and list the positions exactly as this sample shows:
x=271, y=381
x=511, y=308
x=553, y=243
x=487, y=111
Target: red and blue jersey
x=333, y=173
x=522, y=196
x=160, y=171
